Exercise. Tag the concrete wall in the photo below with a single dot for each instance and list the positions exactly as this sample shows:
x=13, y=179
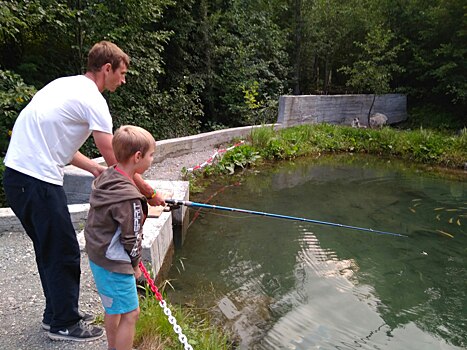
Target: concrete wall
x=184, y=145
x=339, y=109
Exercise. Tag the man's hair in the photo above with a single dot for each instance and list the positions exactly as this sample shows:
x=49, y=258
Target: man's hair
x=129, y=139
x=106, y=52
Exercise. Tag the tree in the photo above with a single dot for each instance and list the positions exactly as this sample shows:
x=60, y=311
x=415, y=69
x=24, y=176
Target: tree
x=434, y=59
x=372, y=71
x=14, y=95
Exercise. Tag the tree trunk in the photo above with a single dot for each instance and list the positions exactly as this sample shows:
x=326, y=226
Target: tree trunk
x=327, y=77
x=298, y=46
x=207, y=57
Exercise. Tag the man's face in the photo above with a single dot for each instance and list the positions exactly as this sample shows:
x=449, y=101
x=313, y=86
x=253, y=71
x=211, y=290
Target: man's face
x=113, y=79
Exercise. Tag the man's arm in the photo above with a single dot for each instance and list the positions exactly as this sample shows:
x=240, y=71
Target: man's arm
x=83, y=162
x=103, y=143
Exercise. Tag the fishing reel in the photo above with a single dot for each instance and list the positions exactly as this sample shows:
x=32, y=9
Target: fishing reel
x=171, y=205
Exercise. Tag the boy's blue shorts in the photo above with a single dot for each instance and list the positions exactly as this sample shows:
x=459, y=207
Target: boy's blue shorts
x=117, y=290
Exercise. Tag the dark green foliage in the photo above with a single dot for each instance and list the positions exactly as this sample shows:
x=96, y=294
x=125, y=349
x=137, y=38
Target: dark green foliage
x=14, y=95
x=435, y=56
x=434, y=117
x=43, y=40
x=201, y=65
x=223, y=51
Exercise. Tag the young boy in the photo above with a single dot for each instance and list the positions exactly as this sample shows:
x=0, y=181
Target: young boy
x=114, y=232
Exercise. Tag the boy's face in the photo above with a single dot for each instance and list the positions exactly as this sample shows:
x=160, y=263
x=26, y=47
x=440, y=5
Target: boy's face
x=146, y=161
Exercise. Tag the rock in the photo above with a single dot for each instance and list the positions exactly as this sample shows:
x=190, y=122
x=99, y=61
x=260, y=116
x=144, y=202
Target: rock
x=378, y=120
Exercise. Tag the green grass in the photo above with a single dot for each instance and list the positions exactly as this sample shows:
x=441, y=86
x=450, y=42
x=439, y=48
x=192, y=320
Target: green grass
x=433, y=147
x=153, y=330
x=444, y=148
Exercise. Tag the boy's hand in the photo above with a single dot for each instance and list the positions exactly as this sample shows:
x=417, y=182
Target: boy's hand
x=138, y=272
x=157, y=200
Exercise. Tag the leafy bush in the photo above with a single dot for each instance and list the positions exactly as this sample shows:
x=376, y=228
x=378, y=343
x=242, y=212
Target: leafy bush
x=239, y=157
x=14, y=95
x=434, y=118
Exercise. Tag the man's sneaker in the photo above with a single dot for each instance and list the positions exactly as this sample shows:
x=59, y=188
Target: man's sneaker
x=81, y=331
x=88, y=318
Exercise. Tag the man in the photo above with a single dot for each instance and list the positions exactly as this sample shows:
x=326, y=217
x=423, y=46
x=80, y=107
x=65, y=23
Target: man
x=46, y=137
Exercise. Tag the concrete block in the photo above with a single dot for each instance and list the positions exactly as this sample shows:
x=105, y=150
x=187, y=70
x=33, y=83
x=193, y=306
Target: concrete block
x=158, y=243
x=77, y=185
x=158, y=240
x=10, y=223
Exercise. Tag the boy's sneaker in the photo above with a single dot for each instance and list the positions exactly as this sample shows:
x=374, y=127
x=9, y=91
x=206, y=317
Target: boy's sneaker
x=88, y=318
x=80, y=331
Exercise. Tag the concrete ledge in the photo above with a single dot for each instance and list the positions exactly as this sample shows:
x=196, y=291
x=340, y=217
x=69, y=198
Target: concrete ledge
x=158, y=243
x=184, y=145
x=10, y=223
x=187, y=144
x=77, y=184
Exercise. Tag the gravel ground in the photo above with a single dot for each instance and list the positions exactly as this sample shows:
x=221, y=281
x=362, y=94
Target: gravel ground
x=21, y=297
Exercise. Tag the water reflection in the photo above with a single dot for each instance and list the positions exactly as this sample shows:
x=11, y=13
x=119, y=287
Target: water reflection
x=291, y=285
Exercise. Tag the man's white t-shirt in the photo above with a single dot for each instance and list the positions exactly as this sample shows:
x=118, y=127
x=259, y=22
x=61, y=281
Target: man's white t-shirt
x=54, y=125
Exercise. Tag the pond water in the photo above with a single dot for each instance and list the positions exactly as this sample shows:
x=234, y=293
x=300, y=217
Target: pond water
x=283, y=284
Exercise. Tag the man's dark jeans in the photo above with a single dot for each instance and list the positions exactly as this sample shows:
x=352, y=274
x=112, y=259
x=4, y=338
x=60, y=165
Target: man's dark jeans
x=42, y=209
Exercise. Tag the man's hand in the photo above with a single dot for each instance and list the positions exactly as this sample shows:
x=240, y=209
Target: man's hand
x=81, y=161
x=97, y=170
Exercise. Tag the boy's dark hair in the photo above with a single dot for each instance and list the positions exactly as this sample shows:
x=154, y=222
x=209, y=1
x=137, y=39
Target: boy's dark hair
x=106, y=52
x=129, y=139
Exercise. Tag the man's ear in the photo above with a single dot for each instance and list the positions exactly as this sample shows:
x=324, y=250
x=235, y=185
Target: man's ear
x=107, y=67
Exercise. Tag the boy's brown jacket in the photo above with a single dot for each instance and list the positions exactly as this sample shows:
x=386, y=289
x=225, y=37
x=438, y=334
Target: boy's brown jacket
x=114, y=229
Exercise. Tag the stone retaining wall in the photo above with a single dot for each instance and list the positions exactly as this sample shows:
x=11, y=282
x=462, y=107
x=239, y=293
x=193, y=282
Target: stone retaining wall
x=339, y=109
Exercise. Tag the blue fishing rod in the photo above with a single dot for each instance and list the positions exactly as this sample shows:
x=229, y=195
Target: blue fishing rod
x=177, y=202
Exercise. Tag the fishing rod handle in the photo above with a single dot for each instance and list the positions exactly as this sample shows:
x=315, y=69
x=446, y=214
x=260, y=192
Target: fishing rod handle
x=178, y=202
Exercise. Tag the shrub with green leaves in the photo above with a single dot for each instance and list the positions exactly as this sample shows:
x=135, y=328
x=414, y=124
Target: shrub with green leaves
x=239, y=157
x=14, y=95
